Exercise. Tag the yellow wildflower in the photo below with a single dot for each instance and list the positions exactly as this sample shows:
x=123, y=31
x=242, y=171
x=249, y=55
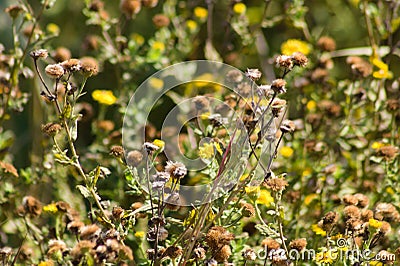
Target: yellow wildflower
x=137, y=38
x=324, y=257
x=265, y=198
x=253, y=192
x=311, y=105
x=191, y=24
x=293, y=45
x=377, y=145
x=46, y=263
x=306, y=172
x=104, y=97
x=318, y=230
x=286, y=151
x=205, y=115
x=243, y=177
x=53, y=28
x=52, y=208
x=374, y=223
x=383, y=72
x=200, y=12
x=239, y=8
x=156, y=83
x=375, y=263
x=390, y=190
x=206, y=151
x=139, y=234
x=159, y=143
x=309, y=198
x=158, y=46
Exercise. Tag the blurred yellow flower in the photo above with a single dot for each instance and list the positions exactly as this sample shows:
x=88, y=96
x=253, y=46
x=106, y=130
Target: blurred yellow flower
x=104, y=97
x=137, y=38
x=156, y=83
x=309, y=198
x=390, y=190
x=243, y=177
x=383, y=72
x=377, y=145
x=139, y=234
x=239, y=8
x=158, y=46
x=53, y=28
x=205, y=115
x=265, y=198
x=52, y=208
x=191, y=24
x=318, y=230
x=200, y=12
x=206, y=151
x=375, y=263
x=311, y=105
x=306, y=172
x=374, y=223
x=286, y=151
x=218, y=148
x=253, y=192
x=46, y=263
x=293, y=45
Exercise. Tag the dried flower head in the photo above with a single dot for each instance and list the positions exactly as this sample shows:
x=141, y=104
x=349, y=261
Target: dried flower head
x=319, y=75
x=41, y=53
x=235, y=76
x=249, y=254
x=71, y=65
x=366, y=215
x=359, y=66
x=106, y=125
x=253, y=73
x=199, y=253
x=287, y=126
x=223, y=254
x=217, y=237
x=161, y=20
x=298, y=244
x=75, y=226
x=172, y=252
x=51, y=129
x=386, y=211
x=270, y=244
x=81, y=248
x=117, y=212
x=56, y=245
x=392, y=105
x=351, y=211
x=329, y=220
x=299, y=59
x=14, y=10
x=201, y=102
x=363, y=200
x=130, y=7
x=90, y=232
x=89, y=66
x=176, y=169
x=278, y=86
x=55, y=71
x=277, y=106
x=284, y=61
x=350, y=200
x=388, y=152
x=32, y=206
x=247, y=209
x=61, y=54
x=134, y=158
x=150, y=147
x=117, y=151
x=326, y=43
x=276, y=183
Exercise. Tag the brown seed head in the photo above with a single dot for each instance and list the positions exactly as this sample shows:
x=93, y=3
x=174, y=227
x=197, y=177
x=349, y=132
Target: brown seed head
x=326, y=43
x=392, y=105
x=96, y=5
x=388, y=152
x=117, y=212
x=201, y=102
x=81, y=248
x=199, y=253
x=351, y=212
x=363, y=200
x=270, y=244
x=130, y=7
x=63, y=206
x=350, y=200
x=234, y=76
x=90, y=232
x=247, y=209
x=55, y=246
x=253, y=73
x=277, y=106
x=366, y=215
x=71, y=65
x=14, y=10
x=117, y=151
x=284, y=61
x=217, y=236
x=319, y=75
x=161, y=20
x=249, y=254
x=278, y=86
x=32, y=206
x=55, y=71
x=149, y=3
x=173, y=252
x=298, y=244
x=299, y=59
x=106, y=125
x=61, y=54
x=89, y=66
x=41, y=53
x=287, y=126
x=75, y=226
x=223, y=254
x=176, y=169
x=276, y=184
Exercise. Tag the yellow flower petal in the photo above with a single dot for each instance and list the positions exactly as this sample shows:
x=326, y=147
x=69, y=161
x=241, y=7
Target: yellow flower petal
x=293, y=45
x=318, y=230
x=286, y=151
x=104, y=97
x=200, y=12
x=239, y=8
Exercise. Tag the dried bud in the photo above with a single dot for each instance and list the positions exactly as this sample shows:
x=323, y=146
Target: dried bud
x=41, y=53
x=278, y=86
x=176, y=169
x=55, y=71
x=253, y=74
x=117, y=151
x=32, y=206
x=299, y=59
x=61, y=54
x=130, y=7
x=284, y=61
x=51, y=129
x=326, y=43
x=287, y=126
x=89, y=66
x=71, y=65
x=161, y=20
x=298, y=244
